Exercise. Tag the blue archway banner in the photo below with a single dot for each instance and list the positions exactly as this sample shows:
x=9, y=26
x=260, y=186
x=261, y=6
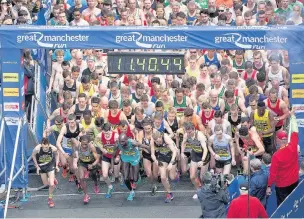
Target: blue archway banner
x=33, y=37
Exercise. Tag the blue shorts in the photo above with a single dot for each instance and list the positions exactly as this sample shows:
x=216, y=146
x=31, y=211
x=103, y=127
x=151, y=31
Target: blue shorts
x=69, y=151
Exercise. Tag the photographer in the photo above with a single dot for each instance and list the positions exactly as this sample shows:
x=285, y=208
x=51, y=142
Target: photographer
x=213, y=197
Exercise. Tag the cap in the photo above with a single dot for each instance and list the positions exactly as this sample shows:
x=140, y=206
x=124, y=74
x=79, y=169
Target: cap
x=3, y=1
x=282, y=135
x=244, y=186
x=107, y=2
x=261, y=104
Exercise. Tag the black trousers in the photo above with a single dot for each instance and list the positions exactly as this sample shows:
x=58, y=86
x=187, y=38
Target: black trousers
x=283, y=192
x=268, y=144
x=28, y=105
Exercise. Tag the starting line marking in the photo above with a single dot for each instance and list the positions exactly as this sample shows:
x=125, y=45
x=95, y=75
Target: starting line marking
x=103, y=193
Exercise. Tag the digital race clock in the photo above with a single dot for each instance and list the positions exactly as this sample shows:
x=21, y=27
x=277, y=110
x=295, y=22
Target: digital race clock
x=145, y=63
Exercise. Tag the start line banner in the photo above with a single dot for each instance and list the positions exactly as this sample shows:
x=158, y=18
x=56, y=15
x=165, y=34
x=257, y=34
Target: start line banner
x=33, y=37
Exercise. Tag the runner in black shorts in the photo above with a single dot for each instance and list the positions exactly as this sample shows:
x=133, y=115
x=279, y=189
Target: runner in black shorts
x=86, y=159
x=108, y=143
x=163, y=153
x=200, y=155
x=46, y=162
x=221, y=147
x=151, y=169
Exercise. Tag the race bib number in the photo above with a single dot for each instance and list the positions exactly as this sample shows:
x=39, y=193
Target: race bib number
x=130, y=153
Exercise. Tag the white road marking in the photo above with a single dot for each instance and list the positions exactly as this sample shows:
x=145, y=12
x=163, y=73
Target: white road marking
x=103, y=193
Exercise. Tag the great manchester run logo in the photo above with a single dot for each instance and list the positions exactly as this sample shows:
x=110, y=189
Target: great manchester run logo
x=249, y=42
x=150, y=42
x=51, y=41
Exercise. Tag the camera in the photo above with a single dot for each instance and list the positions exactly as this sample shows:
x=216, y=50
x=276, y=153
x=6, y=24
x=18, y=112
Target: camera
x=219, y=182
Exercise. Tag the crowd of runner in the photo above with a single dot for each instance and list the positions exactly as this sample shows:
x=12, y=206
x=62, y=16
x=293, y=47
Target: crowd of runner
x=227, y=106
x=154, y=13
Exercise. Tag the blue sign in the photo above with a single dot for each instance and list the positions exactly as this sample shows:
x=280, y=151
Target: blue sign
x=152, y=37
x=13, y=102
x=293, y=206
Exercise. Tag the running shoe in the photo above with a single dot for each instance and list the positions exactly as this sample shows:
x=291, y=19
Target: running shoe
x=133, y=185
x=55, y=182
x=154, y=189
x=139, y=180
x=64, y=172
x=109, y=193
x=86, y=174
x=71, y=179
x=195, y=196
x=131, y=196
x=86, y=199
x=51, y=203
x=169, y=197
x=96, y=189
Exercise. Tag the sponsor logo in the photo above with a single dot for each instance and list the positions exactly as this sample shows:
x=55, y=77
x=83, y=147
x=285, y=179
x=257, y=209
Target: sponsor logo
x=10, y=77
x=298, y=93
x=11, y=120
x=11, y=92
x=297, y=78
x=300, y=123
x=249, y=42
x=150, y=41
x=51, y=41
x=13, y=107
x=299, y=108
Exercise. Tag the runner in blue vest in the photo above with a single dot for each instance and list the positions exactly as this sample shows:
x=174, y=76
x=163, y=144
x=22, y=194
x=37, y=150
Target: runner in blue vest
x=130, y=157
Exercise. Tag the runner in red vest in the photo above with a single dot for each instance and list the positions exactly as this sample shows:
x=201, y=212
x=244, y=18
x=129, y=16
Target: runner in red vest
x=278, y=107
x=249, y=71
x=127, y=129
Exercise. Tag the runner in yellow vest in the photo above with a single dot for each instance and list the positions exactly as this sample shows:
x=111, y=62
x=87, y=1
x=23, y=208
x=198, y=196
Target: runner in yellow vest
x=263, y=120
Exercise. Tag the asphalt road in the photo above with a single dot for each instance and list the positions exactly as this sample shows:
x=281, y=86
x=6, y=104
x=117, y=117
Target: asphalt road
x=69, y=204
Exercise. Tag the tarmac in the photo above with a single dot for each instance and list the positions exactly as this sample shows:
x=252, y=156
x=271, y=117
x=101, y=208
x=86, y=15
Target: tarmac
x=69, y=203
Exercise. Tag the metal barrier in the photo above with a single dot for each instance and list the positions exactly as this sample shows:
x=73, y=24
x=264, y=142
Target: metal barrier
x=3, y=172
x=11, y=176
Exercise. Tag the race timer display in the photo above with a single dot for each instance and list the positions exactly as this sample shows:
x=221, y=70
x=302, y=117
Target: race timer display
x=145, y=63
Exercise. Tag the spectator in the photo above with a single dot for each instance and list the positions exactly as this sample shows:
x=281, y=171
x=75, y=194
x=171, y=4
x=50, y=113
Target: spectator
x=29, y=81
x=284, y=169
x=78, y=20
x=203, y=19
x=258, y=183
x=296, y=15
x=283, y=10
x=266, y=160
x=262, y=19
x=239, y=206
